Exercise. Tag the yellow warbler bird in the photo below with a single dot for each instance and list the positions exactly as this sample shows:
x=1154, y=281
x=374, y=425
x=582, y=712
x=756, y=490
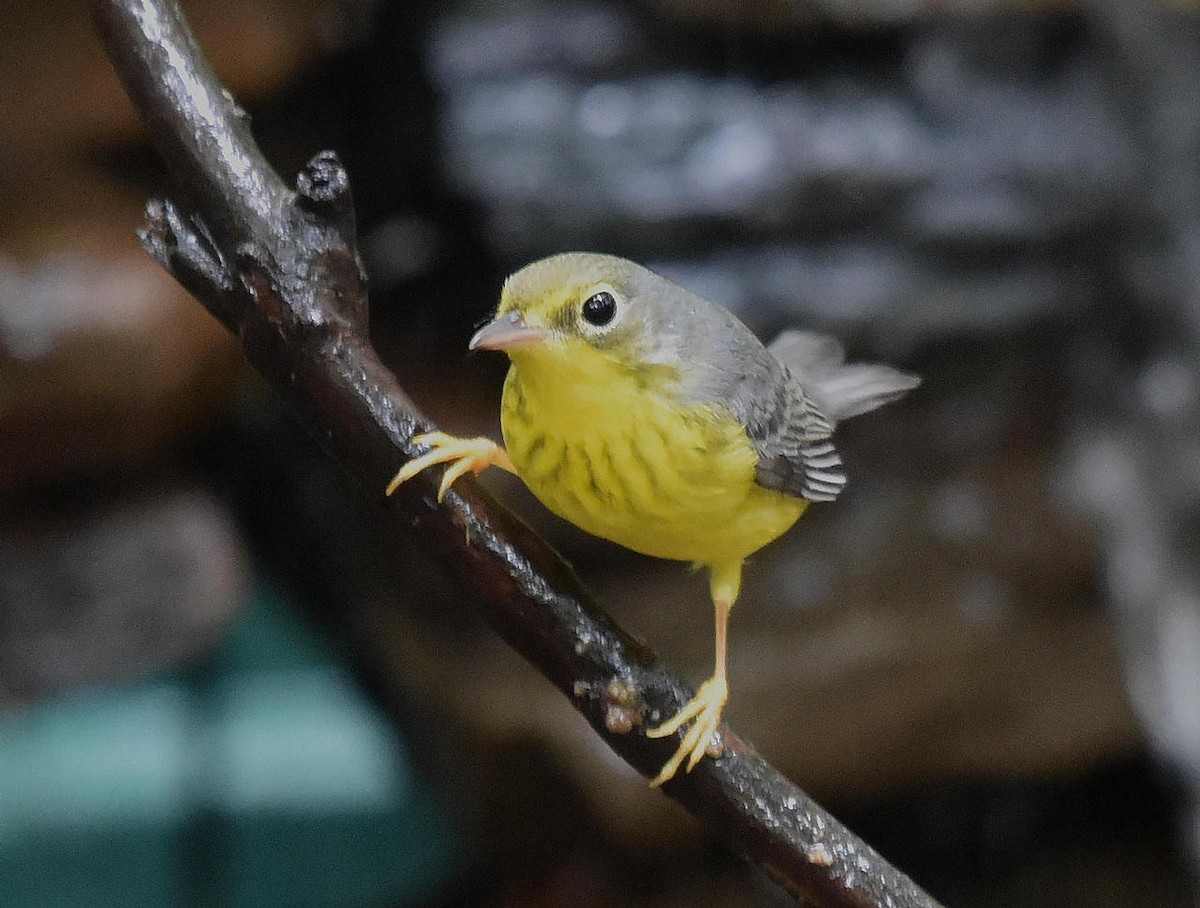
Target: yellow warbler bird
x=649, y=416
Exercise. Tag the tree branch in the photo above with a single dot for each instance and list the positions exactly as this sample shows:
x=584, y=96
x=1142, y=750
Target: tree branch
x=280, y=269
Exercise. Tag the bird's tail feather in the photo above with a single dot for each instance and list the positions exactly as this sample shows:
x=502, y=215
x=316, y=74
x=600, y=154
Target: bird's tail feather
x=839, y=390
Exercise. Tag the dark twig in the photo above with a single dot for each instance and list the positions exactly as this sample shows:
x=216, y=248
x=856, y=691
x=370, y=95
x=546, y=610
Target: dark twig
x=280, y=269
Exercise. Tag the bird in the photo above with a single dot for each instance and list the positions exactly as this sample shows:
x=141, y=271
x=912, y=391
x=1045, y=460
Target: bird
x=654, y=418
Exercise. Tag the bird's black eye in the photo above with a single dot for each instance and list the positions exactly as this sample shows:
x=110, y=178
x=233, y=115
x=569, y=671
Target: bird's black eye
x=599, y=309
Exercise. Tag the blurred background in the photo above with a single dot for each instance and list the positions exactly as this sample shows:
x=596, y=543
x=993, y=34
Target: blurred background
x=222, y=684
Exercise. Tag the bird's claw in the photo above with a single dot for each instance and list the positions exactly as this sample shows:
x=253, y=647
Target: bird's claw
x=462, y=454
x=705, y=708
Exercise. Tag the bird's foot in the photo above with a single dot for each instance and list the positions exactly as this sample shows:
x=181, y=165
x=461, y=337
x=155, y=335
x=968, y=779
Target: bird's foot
x=462, y=454
x=705, y=708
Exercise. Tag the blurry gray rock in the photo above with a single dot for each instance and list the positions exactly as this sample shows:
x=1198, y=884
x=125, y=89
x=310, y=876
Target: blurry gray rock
x=771, y=16
x=968, y=191
x=113, y=591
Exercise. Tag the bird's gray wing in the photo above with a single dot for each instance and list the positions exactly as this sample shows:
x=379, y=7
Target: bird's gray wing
x=785, y=425
x=793, y=439
x=819, y=390
x=725, y=364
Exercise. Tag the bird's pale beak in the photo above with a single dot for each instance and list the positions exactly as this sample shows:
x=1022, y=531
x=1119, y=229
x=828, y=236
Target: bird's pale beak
x=505, y=332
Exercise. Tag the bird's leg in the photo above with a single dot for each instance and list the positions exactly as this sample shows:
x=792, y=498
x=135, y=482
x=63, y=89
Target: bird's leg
x=462, y=454
x=705, y=708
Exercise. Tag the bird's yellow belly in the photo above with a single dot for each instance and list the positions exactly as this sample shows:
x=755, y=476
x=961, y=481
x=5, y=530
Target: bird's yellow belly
x=657, y=477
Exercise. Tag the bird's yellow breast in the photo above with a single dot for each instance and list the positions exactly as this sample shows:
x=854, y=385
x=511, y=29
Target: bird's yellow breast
x=620, y=458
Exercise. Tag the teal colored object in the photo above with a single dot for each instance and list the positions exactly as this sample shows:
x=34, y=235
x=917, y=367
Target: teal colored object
x=265, y=778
